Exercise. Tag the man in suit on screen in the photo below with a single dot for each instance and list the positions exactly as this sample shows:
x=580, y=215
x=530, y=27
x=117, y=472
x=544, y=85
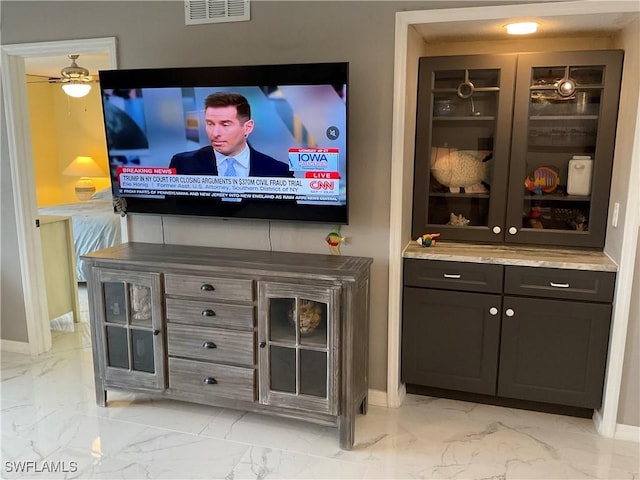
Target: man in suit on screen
x=228, y=123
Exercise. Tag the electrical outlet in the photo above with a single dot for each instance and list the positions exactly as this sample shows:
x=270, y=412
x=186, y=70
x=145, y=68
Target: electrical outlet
x=614, y=215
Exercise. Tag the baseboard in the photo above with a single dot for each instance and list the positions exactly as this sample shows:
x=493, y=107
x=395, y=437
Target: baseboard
x=15, y=347
x=629, y=433
x=377, y=398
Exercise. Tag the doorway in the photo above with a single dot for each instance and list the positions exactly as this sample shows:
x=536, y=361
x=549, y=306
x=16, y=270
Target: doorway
x=22, y=172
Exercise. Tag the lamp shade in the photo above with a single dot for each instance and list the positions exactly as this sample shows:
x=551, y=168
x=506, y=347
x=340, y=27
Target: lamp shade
x=84, y=167
x=76, y=89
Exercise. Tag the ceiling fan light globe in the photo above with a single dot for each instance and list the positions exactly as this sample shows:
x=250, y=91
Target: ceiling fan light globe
x=76, y=90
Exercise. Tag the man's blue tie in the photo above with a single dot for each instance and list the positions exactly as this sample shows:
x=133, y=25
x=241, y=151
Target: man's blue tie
x=231, y=170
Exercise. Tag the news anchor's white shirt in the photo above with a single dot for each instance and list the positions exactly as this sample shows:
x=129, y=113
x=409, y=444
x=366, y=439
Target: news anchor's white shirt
x=241, y=165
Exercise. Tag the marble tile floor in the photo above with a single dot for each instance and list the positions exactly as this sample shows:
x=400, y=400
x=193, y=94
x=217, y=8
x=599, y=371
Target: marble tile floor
x=52, y=428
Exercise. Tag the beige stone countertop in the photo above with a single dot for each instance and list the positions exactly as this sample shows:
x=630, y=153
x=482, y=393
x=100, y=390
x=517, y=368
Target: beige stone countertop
x=528, y=256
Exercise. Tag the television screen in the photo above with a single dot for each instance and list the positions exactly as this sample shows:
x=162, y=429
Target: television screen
x=260, y=142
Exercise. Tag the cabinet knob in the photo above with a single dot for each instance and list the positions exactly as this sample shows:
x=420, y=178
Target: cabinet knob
x=205, y=287
x=263, y=344
x=209, y=345
x=513, y=230
x=496, y=229
x=493, y=311
x=510, y=312
x=208, y=313
x=209, y=380
x=156, y=332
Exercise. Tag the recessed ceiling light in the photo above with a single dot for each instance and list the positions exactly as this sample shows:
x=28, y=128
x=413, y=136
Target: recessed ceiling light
x=521, y=28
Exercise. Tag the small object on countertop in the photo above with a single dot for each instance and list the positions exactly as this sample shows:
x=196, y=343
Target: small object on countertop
x=428, y=239
x=334, y=239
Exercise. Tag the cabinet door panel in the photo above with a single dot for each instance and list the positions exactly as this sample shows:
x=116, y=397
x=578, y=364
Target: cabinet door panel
x=129, y=327
x=298, y=332
x=554, y=351
x=450, y=339
x=548, y=202
x=462, y=146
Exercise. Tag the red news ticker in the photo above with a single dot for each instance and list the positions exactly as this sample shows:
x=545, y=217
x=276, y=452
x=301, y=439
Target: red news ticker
x=147, y=170
x=327, y=175
x=314, y=150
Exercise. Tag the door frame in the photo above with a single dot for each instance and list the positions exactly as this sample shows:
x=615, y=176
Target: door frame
x=22, y=172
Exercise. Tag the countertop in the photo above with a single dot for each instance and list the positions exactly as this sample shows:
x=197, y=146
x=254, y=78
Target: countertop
x=528, y=256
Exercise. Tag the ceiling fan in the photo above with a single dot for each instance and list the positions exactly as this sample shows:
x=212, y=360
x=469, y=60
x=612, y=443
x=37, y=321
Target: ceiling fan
x=74, y=78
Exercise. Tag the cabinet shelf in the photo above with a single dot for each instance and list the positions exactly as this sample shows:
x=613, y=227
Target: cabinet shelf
x=561, y=118
x=463, y=118
x=557, y=198
x=459, y=195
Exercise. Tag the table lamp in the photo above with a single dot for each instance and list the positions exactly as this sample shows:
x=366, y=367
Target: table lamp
x=84, y=167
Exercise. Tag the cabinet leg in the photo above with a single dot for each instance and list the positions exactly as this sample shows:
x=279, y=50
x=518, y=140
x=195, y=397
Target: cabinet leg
x=347, y=428
x=101, y=396
x=364, y=406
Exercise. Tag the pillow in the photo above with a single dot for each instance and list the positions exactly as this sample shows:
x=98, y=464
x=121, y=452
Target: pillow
x=104, y=194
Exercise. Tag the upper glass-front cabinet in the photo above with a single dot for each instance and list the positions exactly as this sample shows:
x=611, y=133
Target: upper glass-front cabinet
x=462, y=146
x=562, y=149
x=297, y=334
x=516, y=148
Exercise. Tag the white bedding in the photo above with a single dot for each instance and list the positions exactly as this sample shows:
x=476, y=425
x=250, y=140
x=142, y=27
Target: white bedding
x=95, y=226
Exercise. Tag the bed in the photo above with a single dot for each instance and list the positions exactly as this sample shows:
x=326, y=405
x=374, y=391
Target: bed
x=95, y=226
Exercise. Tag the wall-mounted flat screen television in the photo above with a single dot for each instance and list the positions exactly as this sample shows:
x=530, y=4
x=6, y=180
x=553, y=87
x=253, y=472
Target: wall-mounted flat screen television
x=257, y=142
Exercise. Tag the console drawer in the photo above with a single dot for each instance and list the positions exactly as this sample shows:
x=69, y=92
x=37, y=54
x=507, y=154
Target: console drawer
x=214, y=288
x=470, y=277
x=584, y=285
x=209, y=313
x=211, y=344
x=190, y=376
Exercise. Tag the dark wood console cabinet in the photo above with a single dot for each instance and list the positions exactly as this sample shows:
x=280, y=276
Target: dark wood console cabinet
x=272, y=332
x=507, y=330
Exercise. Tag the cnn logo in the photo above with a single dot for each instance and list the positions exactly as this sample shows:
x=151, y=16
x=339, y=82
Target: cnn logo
x=321, y=185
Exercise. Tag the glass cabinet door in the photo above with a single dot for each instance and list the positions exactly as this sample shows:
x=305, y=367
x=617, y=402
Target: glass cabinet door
x=131, y=328
x=297, y=330
x=462, y=146
x=562, y=147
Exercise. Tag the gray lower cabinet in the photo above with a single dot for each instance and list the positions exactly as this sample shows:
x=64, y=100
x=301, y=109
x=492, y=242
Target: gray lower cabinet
x=271, y=332
x=525, y=333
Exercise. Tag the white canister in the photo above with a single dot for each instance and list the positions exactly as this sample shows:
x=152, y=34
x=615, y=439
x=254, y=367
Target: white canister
x=579, y=175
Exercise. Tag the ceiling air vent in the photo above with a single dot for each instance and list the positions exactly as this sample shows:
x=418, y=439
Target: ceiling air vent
x=215, y=11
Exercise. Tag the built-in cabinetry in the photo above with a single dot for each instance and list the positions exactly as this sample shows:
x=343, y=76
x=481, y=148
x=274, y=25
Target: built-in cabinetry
x=279, y=333
x=527, y=324
x=516, y=148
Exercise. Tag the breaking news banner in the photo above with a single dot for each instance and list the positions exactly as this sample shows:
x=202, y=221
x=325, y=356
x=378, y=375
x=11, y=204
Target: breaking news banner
x=315, y=186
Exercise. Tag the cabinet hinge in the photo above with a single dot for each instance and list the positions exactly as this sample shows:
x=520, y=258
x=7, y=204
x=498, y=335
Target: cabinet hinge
x=37, y=223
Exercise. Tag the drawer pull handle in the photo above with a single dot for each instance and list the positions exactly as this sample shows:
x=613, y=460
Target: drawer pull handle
x=559, y=285
x=209, y=345
x=208, y=313
x=209, y=381
x=451, y=275
x=205, y=287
